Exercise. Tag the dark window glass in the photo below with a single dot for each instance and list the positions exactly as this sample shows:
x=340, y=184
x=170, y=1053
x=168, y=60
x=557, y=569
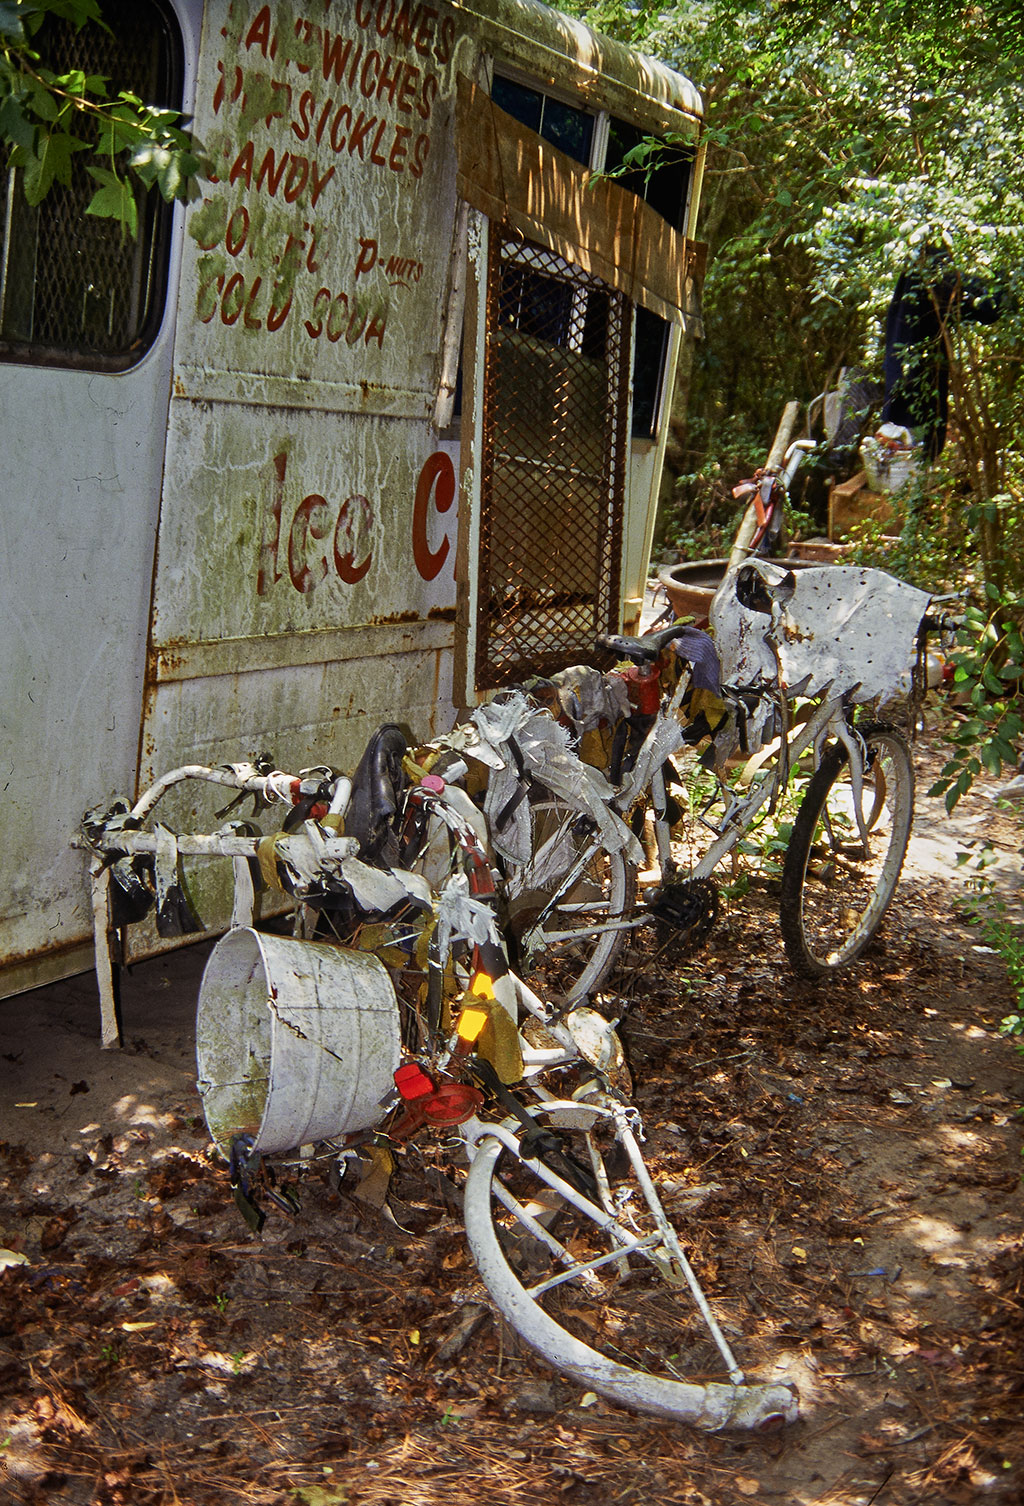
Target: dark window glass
x=649, y=350
x=570, y=130
x=526, y=105
x=75, y=290
x=665, y=188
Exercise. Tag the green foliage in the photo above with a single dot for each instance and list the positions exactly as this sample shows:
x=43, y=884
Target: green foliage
x=985, y=910
x=842, y=142
x=929, y=542
x=47, y=118
x=989, y=673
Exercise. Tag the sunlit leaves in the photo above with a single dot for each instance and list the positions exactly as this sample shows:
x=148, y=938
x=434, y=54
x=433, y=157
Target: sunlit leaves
x=46, y=118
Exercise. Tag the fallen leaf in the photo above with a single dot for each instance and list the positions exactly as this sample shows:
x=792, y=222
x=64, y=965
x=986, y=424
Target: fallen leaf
x=746, y=1486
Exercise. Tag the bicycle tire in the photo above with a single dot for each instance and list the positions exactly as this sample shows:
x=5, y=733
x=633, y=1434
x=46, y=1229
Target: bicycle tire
x=579, y=1325
x=834, y=895
x=552, y=921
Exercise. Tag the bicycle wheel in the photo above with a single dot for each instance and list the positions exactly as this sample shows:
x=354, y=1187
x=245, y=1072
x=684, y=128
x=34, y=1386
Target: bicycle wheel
x=564, y=909
x=835, y=887
x=575, y=1261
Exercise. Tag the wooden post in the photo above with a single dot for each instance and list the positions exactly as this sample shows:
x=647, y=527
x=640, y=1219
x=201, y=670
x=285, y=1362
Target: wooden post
x=108, y=971
x=776, y=455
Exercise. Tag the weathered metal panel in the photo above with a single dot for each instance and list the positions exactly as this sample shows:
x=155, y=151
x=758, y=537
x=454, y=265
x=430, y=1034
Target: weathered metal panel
x=82, y=461
x=305, y=491
x=304, y=527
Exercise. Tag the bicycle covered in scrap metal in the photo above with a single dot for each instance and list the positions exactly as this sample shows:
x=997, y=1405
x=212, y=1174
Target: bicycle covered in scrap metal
x=794, y=681
x=401, y=1019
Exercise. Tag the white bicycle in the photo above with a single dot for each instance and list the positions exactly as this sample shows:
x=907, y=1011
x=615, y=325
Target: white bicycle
x=562, y=1216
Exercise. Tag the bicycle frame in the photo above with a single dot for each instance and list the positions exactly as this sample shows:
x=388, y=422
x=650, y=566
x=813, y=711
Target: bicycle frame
x=665, y=738
x=461, y=906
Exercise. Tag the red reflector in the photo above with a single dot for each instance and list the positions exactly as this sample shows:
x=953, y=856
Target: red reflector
x=452, y=1103
x=412, y=1082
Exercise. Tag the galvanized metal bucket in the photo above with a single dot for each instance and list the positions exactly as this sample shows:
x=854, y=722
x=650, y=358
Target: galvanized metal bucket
x=296, y=1041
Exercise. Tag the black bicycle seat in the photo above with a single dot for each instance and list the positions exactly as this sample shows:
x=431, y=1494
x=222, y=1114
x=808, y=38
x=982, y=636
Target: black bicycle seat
x=377, y=786
x=639, y=650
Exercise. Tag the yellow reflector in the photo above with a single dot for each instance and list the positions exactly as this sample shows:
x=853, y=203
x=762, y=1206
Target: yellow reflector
x=471, y=1023
x=482, y=986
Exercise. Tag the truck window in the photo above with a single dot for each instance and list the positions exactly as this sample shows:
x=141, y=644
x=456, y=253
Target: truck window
x=666, y=189
x=568, y=129
x=74, y=290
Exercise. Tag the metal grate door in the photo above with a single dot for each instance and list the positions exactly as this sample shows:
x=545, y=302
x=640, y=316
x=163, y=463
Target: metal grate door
x=556, y=373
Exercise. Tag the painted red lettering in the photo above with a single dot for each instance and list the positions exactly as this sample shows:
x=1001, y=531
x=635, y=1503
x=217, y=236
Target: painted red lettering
x=420, y=152
x=425, y=34
x=319, y=184
x=375, y=154
x=385, y=17
x=336, y=318
x=354, y=526
x=259, y=32
x=320, y=302
x=445, y=40
x=301, y=127
x=249, y=320
x=295, y=183
x=311, y=521
x=399, y=149
x=322, y=122
x=367, y=258
x=237, y=230
x=337, y=136
x=268, y=573
x=271, y=171
x=242, y=166
x=210, y=286
x=436, y=484
x=362, y=128
x=207, y=224
x=390, y=73
x=233, y=299
x=376, y=327
x=407, y=88
x=276, y=316
x=336, y=51
x=430, y=91
x=369, y=74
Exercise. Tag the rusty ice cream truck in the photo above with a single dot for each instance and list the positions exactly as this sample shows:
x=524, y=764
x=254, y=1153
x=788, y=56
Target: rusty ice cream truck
x=372, y=426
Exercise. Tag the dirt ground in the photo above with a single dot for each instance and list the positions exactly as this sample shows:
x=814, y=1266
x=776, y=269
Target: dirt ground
x=849, y=1156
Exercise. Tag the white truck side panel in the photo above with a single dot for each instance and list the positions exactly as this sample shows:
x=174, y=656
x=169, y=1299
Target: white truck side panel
x=83, y=460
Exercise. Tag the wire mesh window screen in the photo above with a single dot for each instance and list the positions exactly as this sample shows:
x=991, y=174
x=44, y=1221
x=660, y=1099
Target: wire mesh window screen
x=553, y=468
x=74, y=289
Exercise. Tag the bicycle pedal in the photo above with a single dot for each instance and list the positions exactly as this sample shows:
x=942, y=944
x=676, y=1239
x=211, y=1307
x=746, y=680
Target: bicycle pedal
x=689, y=907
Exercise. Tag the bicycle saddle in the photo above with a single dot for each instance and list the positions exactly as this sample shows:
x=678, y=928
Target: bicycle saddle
x=638, y=650
x=377, y=786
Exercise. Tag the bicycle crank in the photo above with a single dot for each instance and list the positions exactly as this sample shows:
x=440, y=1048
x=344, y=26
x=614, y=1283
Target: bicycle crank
x=686, y=911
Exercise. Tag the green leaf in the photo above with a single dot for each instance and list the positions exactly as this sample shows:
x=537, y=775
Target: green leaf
x=117, y=134
x=11, y=25
x=113, y=200
x=50, y=163
x=15, y=125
